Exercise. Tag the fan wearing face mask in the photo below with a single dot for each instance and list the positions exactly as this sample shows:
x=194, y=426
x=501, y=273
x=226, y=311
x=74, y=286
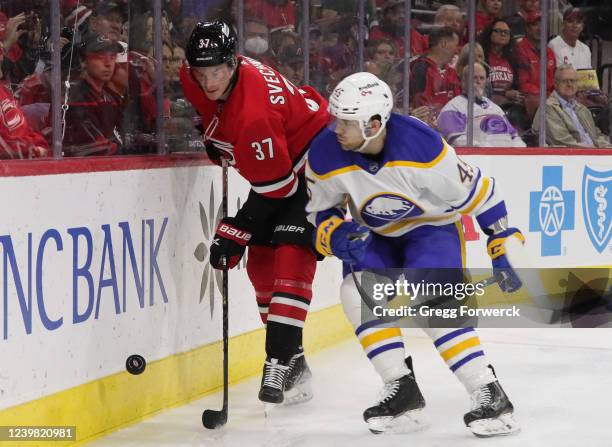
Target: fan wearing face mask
x=257, y=41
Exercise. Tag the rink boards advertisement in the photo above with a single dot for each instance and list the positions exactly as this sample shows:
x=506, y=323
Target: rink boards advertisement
x=97, y=266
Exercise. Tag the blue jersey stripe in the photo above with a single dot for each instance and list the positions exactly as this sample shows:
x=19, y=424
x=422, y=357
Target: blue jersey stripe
x=466, y=359
x=450, y=336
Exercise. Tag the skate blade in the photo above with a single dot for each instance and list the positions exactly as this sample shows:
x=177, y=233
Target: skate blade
x=409, y=422
x=501, y=426
x=269, y=408
x=300, y=393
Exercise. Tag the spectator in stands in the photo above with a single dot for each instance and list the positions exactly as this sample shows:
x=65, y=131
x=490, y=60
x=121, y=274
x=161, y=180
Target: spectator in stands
x=433, y=82
x=451, y=16
x=257, y=41
x=21, y=37
x=567, y=48
x=528, y=63
x=517, y=21
x=343, y=54
x=380, y=57
x=499, y=54
x=392, y=28
x=107, y=19
x=331, y=11
x=291, y=64
x=464, y=57
x=486, y=12
x=491, y=127
x=321, y=66
x=17, y=139
x=275, y=13
x=569, y=123
x=118, y=84
x=93, y=119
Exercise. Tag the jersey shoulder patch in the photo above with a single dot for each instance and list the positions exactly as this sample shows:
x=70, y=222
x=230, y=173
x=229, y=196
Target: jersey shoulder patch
x=411, y=141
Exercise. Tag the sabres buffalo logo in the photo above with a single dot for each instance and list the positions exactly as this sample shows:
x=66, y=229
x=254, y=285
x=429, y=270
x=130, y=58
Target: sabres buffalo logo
x=383, y=208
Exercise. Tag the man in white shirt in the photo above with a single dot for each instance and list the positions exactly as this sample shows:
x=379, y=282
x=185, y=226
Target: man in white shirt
x=567, y=48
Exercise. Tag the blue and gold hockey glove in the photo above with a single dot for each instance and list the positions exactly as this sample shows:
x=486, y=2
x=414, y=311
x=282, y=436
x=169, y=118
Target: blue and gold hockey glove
x=507, y=278
x=345, y=240
x=229, y=243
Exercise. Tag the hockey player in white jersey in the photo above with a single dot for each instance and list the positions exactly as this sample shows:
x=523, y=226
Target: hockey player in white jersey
x=406, y=190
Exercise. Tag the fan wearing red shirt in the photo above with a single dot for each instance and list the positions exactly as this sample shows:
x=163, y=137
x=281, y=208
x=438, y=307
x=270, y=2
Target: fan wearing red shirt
x=433, y=82
x=392, y=28
x=528, y=58
x=262, y=125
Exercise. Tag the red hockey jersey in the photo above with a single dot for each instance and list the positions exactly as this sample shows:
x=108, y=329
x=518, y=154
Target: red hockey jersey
x=17, y=139
x=263, y=128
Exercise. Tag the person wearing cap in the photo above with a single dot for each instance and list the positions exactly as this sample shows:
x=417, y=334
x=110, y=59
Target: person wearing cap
x=567, y=48
x=94, y=115
x=392, y=26
x=107, y=19
x=260, y=123
x=528, y=64
x=517, y=21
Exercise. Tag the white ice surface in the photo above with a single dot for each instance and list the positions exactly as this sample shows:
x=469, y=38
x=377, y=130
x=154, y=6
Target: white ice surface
x=559, y=380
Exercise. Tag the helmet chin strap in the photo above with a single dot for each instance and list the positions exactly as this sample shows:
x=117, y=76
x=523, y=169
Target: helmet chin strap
x=366, y=139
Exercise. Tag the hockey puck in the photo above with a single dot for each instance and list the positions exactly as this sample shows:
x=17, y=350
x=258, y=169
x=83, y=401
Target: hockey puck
x=135, y=364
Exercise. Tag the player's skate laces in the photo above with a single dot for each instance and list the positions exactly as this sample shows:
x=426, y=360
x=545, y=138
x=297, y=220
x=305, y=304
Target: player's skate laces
x=297, y=386
x=399, y=408
x=491, y=413
x=273, y=381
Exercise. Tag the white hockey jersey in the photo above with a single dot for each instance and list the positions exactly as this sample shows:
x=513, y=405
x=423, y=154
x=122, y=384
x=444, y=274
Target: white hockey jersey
x=416, y=180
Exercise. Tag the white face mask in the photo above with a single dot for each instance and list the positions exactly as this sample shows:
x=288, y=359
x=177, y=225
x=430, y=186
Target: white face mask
x=256, y=45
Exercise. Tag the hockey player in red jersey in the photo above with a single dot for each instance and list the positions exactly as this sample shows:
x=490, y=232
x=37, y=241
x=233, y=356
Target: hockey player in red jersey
x=262, y=125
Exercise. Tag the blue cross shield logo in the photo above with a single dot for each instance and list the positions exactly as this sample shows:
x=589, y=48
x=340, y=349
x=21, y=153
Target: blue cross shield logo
x=551, y=210
x=597, y=206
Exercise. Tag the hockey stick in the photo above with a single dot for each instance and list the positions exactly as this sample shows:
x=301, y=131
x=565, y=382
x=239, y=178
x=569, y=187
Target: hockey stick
x=371, y=303
x=217, y=418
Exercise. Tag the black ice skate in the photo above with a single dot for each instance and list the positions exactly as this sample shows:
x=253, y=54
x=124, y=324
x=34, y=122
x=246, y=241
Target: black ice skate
x=273, y=381
x=297, y=387
x=491, y=413
x=400, y=406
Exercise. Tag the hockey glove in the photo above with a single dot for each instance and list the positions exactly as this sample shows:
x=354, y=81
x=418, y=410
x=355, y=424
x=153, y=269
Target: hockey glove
x=345, y=240
x=507, y=278
x=213, y=153
x=229, y=244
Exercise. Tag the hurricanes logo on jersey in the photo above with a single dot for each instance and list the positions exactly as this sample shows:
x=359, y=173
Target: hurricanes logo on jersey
x=383, y=208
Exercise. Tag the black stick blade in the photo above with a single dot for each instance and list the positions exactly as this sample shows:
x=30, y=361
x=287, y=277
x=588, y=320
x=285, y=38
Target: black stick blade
x=213, y=419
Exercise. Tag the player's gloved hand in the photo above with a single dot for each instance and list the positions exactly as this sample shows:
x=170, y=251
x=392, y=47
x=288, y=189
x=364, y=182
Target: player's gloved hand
x=343, y=239
x=213, y=153
x=507, y=279
x=229, y=243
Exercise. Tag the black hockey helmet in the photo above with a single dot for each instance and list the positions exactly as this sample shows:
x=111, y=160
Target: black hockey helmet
x=211, y=43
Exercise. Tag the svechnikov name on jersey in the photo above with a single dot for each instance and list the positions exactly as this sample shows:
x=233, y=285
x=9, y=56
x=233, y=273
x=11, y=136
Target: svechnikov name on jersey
x=271, y=78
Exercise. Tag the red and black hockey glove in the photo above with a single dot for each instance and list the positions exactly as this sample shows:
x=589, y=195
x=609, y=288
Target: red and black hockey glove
x=229, y=243
x=213, y=153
